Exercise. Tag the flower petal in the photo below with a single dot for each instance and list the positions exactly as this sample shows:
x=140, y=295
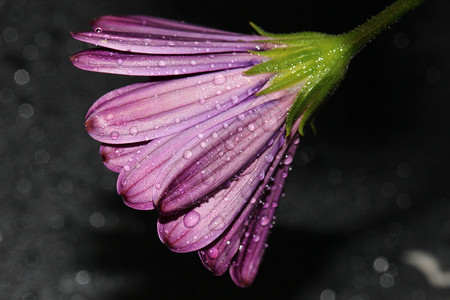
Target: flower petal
x=160, y=65
x=157, y=44
x=200, y=226
x=164, y=27
x=245, y=265
x=147, y=111
x=194, y=171
x=140, y=180
x=218, y=255
x=116, y=156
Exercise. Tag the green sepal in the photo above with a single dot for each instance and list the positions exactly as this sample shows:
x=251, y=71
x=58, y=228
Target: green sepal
x=315, y=62
x=312, y=95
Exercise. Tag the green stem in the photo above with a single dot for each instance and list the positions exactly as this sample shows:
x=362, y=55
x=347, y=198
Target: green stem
x=364, y=33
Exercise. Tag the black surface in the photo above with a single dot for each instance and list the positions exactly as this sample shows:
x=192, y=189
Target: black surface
x=371, y=183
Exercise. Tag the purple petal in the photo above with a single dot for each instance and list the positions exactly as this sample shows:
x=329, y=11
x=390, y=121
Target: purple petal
x=160, y=65
x=156, y=44
x=116, y=156
x=150, y=110
x=165, y=27
x=195, y=171
x=203, y=224
x=246, y=264
x=149, y=173
x=218, y=255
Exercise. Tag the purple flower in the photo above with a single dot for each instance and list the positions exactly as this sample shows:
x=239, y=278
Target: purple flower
x=210, y=140
x=206, y=150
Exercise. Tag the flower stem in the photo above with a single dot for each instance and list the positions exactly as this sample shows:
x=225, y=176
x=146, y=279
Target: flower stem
x=364, y=33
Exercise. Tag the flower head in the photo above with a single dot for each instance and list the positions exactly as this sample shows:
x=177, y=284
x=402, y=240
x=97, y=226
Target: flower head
x=209, y=142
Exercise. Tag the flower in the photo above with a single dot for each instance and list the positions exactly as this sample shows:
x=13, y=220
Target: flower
x=206, y=150
x=210, y=141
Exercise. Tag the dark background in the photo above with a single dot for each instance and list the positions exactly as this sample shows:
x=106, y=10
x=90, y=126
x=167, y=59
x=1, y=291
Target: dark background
x=369, y=186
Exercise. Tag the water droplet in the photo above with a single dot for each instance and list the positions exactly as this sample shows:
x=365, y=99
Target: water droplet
x=98, y=29
x=241, y=117
x=219, y=79
x=261, y=175
x=191, y=219
x=284, y=174
x=288, y=159
x=229, y=144
x=187, y=154
x=126, y=168
x=217, y=106
x=200, y=135
x=264, y=221
x=109, y=117
x=214, y=135
x=119, y=61
x=256, y=238
x=217, y=223
x=114, y=135
x=203, y=144
x=193, y=62
x=201, y=101
x=234, y=99
x=269, y=157
x=176, y=120
x=158, y=186
x=296, y=141
x=213, y=252
x=133, y=130
x=250, y=127
x=162, y=63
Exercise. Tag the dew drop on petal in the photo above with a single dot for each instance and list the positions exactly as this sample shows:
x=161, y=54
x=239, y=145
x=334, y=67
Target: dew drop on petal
x=193, y=62
x=214, y=135
x=261, y=175
x=264, y=221
x=126, y=168
x=229, y=144
x=269, y=157
x=109, y=117
x=98, y=30
x=191, y=219
x=250, y=127
x=256, y=238
x=213, y=252
x=288, y=159
x=219, y=79
x=162, y=63
x=234, y=99
x=176, y=120
x=217, y=223
x=158, y=186
x=119, y=61
x=203, y=144
x=114, y=135
x=187, y=154
x=133, y=130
